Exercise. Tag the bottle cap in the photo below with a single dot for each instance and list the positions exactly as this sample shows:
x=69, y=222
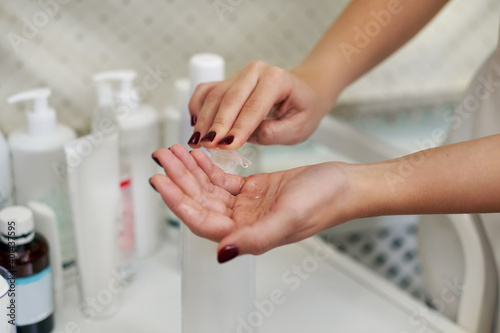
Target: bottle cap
x=182, y=87
x=206, y=67
x=41, y=119
x=17, y=225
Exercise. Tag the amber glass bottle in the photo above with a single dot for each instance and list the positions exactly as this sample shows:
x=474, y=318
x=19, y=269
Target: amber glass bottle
x=26, y=256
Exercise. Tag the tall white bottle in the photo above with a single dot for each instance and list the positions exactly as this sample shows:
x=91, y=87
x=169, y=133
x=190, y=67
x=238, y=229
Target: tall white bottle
x=214, y=296
x=139, y=138
x=105, y=116
x=177, y=123
x=38, y=165
x=5, y=174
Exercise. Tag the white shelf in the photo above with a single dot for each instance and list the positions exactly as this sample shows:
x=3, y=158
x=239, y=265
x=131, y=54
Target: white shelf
x=338, y=295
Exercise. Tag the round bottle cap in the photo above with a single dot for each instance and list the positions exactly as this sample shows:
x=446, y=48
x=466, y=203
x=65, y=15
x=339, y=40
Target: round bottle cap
x=17, y=224
x=206, y=67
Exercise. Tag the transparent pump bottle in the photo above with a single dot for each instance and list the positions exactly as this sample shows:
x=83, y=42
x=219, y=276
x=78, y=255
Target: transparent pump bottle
x=105, y=115
x=214, y=296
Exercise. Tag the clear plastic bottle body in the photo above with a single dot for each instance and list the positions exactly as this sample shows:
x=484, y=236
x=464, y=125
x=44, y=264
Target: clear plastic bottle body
x=103, y=117
x=139, y=137
x=214, y=296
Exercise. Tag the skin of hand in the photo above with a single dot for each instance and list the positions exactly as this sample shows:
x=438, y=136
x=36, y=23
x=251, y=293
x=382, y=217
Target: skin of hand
x=259, y=103
x=255, y=213
x=269, y=105
x=251, y=215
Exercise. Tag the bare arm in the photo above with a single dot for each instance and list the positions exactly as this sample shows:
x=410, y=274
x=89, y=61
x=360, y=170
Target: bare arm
x=457, y=178
x=263, y=211
x=234, y=110
x=366, y=33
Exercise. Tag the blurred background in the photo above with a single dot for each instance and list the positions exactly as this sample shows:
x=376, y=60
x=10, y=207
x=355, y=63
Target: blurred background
x=79, y=38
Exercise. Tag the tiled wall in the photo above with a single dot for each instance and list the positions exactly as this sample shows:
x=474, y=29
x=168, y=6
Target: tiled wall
x=61, y=43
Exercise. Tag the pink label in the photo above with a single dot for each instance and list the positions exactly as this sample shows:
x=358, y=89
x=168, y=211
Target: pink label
x=127, y=237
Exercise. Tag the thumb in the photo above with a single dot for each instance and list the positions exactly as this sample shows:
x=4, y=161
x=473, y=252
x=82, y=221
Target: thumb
x=257, y=238
x=290, y=130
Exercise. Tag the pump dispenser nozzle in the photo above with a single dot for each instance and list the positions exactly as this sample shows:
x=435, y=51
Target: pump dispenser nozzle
x=126, y=78
x=41, y=119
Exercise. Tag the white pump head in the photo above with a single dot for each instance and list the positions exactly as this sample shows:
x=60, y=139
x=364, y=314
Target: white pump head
x=205, y=67
x=41, y=119
x=104, y=91
x=126, y=78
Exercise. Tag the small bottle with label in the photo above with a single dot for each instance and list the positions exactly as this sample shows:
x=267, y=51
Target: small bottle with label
x=26, y=256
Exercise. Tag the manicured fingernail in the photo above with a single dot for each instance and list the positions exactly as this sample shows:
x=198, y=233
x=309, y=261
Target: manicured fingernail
x=210, y=136
x=227, y=140
x=227, y=253
x=194, y=119
x=151, y=183
x=195, y=138
x=156, y=160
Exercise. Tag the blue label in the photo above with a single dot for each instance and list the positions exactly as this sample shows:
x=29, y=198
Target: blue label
x=33, y=278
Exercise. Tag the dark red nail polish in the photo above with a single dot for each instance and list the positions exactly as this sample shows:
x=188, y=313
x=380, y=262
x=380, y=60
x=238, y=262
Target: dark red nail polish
x=151, y=183
x=195, y=138
x=156, y=160
x=227, y=140
x=194, y=119
x=227, y=253
x=210, y=136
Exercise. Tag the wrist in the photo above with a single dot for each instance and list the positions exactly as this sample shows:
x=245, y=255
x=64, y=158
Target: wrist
x=370, y=193
x=326, y=92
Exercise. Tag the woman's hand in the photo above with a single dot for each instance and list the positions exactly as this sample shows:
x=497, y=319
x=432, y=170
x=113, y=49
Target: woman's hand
x=263, y=104
x=254, y=214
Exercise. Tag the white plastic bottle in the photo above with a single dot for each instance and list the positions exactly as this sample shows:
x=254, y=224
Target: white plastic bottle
x=105, y=116
x=139, y=138
x=174, y=134
x=214, y=296
x=5, y=174
x=38, y=160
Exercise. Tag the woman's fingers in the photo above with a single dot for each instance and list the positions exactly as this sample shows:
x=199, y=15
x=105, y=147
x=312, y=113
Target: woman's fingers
x=208, y=112
x=187, y=182
x=228, y=112
x=228, y=182
x=229, y=108
x=200, y=220
x=198, y=98
x=273, y=88
x=192, y=166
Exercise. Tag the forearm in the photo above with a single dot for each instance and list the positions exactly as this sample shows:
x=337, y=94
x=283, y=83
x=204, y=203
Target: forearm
x=367, y=32
x=458, y=178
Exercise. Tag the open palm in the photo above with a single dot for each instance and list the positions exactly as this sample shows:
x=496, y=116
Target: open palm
x=257, y=213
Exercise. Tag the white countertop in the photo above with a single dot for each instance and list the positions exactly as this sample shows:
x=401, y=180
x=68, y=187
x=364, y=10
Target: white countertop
x=337, y=295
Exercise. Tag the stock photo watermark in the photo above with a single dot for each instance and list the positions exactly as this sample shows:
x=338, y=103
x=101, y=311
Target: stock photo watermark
x=484, y=89
x=83, y=147
x=91, y=307
x=32, y=25
x=424, y=317
x=225, y=7
x=292, y=278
